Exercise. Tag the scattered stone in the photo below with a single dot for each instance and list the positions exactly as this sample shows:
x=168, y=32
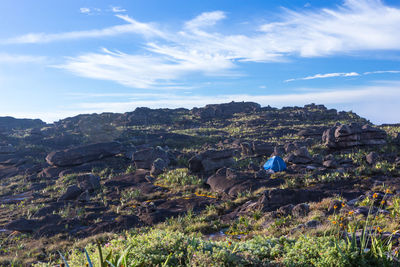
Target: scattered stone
x=72, y=193
x=312, y=224
x=372, y=158
x=88, y=182
x=158, y=167
x=285, y=211
x=144, y=158
x=301, y=210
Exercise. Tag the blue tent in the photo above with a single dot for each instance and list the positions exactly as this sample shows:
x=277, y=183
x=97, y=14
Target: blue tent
x=276, y=164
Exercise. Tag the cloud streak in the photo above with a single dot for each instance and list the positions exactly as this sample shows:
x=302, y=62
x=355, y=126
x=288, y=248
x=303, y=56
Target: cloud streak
x=132, y=26
x=343, y=74
x=17, y=58
x=326, y=75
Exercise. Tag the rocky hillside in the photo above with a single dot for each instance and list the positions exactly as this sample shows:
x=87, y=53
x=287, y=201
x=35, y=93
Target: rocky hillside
x=86, y=176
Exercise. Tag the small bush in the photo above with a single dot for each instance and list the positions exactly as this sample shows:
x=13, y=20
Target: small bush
x=180, y=177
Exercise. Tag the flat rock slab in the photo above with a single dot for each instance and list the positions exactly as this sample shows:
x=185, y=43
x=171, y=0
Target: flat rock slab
x=83, y=154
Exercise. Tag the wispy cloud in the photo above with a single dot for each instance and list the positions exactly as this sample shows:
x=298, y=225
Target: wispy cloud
x=205, y=19
x=382, y=72
x=84, y=10
x=357, y=25
x=343, y=74
x=199, y=47
x=141, y=71
x=17, y=58
x=326, y=75
x=132, y=26
x=117, y=9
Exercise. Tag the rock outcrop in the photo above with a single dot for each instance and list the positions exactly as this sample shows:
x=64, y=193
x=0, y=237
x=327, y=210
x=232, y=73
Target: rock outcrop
x=83, y=154
x=257, y=148
x=299, y=156
x=144, y=158
x=231, y=182
x=347, y=136
x=225, y=110
x=212, y=160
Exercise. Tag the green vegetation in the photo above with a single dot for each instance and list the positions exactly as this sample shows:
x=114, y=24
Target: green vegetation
x=178, y=177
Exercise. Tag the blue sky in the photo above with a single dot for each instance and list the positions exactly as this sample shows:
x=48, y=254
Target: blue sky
x=63, y=58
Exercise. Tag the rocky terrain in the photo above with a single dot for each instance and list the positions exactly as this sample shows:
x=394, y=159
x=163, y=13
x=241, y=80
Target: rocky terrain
x=92, y=178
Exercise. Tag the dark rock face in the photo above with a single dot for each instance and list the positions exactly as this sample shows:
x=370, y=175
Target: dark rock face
x=227, y=181
x=299, y=156
x=315, y=132
x=275, y=198
x=346, y=136
x=212, y=160
x=10, y=123
x=257, y=148
x=144, y=158
x=83, y=154
x=225, y=110
x=29, y=226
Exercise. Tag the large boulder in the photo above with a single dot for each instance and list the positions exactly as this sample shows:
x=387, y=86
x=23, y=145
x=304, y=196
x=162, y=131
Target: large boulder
x=158, y=167
x=275, y=198
x=88, y=182
x=83, y=154
x=347, y=136
x=257, y=148
x=299, y=156
x=231, y=182
x=144, y=158
x=212, y=160
x=72, y=193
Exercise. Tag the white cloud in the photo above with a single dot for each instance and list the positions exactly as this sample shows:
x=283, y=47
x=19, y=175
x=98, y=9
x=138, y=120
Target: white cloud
x=117, y=9
x=382, y=72
x=16, y=58
x=205, y=19
x=343, y=74
x=132, y=26
x=326, y=75
x=198, y=47
x=141, y=71
x=84, y=10
x=358, y=25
